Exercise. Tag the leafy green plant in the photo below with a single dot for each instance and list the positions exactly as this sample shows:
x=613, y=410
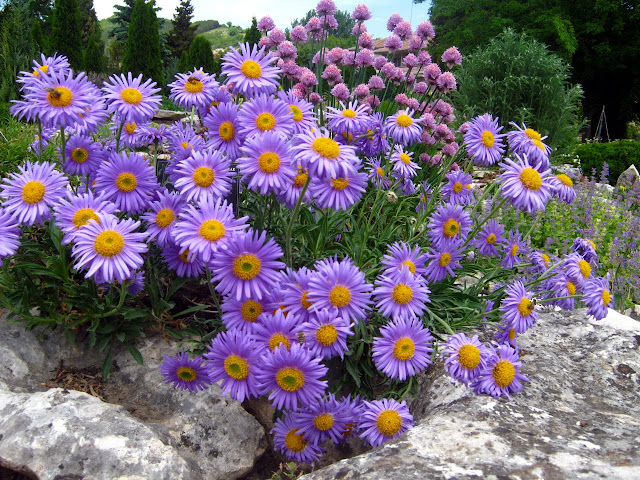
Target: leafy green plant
x=618, y=155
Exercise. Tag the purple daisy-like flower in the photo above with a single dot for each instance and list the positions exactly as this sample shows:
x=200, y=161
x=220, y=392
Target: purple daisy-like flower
x=377, y=175
x=513, y=248
x=265, y=163
x=291, y=195
x=93, y=118
x=403, y=128
x=597, y=296
x=561, y=286
x=183, y=140
x=403, y=163
x=82, y=155
x=506, y=335
x=577, y=269
x=374, y=141
x=74, y=212
x=401, y=255
x=127, y=180
x=466, y=357
x=208, y=229
x=528, y=188
x=248, y=267
x=184, y=373
x=518, y=308
x=403, y=349
x=9, y=233
x=31, y=193
x=163, y=216
x=483, y=141
x=203, y=175
x=383, y=420
x=278, y=329
x=131, y=134
x=243, y=314
x=401, y=296
x=232, y=358
x=295, y=291
x=302, y=112
x=449, y=222
x=323, y=156
x=292, y=376
x=263, y=114
x=250, y=71
x=458, y=189
x=340, y=284
x=39, y=69
x=351, y=118
x=490, y=238
x=502, y=374
x=586, y=249
x=326, y=333
x=130, y=99
x=288, y=440
x=339, y=193
x=110, y=249
x=563, y=186
x=185, y=263
x=223, y=129
x=444, y=259
x=324, y=419
x=540, y=262
x=194, y=89
x=527, y=141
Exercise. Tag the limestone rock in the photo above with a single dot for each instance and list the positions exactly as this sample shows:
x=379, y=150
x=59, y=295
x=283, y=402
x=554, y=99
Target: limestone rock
x=168, y=116
x=630, y=178
x=579, y=417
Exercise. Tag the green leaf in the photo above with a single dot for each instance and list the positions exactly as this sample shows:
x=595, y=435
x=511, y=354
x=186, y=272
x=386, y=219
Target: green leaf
x=133, y=313
x=135, y=353
x=106, y=365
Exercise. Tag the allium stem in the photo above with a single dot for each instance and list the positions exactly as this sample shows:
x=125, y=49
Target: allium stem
x=294, y=214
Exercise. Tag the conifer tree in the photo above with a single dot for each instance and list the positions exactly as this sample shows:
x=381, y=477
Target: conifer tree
x=93, y=58
x=252, y=35
x=66, y=36
x=200, y=55
x=183, y=31
x=142, y=53
x=121, y=19
x=89, y=22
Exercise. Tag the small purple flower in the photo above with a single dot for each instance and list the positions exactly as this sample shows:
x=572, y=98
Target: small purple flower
x=527, y=141
x=518, y=309
x=184, y=373
x=10, y=234
x=383, y=420
x=525, y=185
x=444, y=259
x=289, y=441
x=502, y=374
x=194, y=89
x=249, y=70
x=597, y=296
x=449, y=221
x=326, y=333
x=131, y=99
x=466, y=357
x=266, y=24
x=403, y=128
x=483, y=140
x=401, y=296
x=203, y=175
x=458, y=189
x=489, y=238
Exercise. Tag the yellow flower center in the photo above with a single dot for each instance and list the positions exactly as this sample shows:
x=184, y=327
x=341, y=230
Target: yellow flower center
x=131, y=95
x=184, y=256
x=251, y=69
x=404, y=120
x=304, y=300
x=246, y=266
x=278, y=339
x=326, y=335
x=565, y=180
x=108, y=243
x=297, y=113
x=83, y=215
x=571, y=288
x=33, y=192
x=164, y=217
x=592, y=244
x=530, y=179
x=410, y=265
x=380, y=172
x=491, y=239
x=79, y=155
x=389, y=422
x=236, y=367
x=404, y=158
x=193, y=85
x=130, y=128
x=457, y=187
x=203, y=176
x=469, y=356
x=43, y=68
x=59, y=97
x=532, y=134
x=186, y=374
x=514, y=250
x=323, y=422
x=445, y=259
x=546, y=259
x=265, y=121
x=404, y=348
x=326, y=147
x=339, y=296
x=606, y=297
x=186, y=145
x=348, y=136
x=487, y=139
x=269, y=162
x=450, y=228
x=585, y=268
x=126, y=182
x=402, y=294
x=339, y=183
x=525, y=307
x=250, y=310
x=212, y=230
x=293, y=441
x=226, y=131
x=300, y=180
x=290, y=379
x=512, y=334
x=348, y=113
x=503, y=373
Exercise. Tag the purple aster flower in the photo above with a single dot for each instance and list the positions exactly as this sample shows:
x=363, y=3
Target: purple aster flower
x=483, y=140
x=183, y=141
x=41, y=141
x=263, y=114
x=403, y=164
x=502, y=374
x=518, y=307
x=94, y=117
x=9, y=233
x=347, y=119
x=288, y=440
x=74, y=212
x=82, y=155
x=527, y=141
x=377, y=175
x=131, y=135
x=185, y=263
x=325, y=419
x=597, y=296
x=444, y=259
x=401, y=295
x=513, y=248
x=30, y=193
x=326, y=333
x=400, y=255
x=247, y=267
x=339, y=193
x=223, y=130
x=451, y=57
x=375, y=141
x=323, y=156
x=527, y=187
x=163, y=216
x=291, y=195
x=540, y=262
x=232, y=358
x=301, y=111
x=185, y=374
x=194, y=89
x=250, y=71
x=110, y=248
x=342, y=285
x=295, y=289
x=577, y=269
x=128, y=181
x=449, y=221
x=130, y=99
x=489, y=238
x=203, y=175
x=506, y=335
x=58, y=63
x=563, y=186
x=292, y=376
x=243, y=314
x=586, y=249
x=561, y=286
x=273, y=330
x=466, y=357
x=458, y=189
x=403, y=128
x=209, y=229
x=383, y=420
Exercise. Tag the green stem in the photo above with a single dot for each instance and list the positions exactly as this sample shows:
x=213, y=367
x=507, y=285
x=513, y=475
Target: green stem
x=294, y=215
x=214, y=294
x=118, y=135
x=443, y=323
x=63, y=141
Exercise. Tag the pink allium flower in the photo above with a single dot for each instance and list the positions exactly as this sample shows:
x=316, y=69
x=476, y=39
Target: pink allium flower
x=326, y=7
x=332, y=74
x=379, y=62
x=265, y=42
x=425, y=30
x=366, y=41
x=364, y=58
x=277, y=36
x=424, y=58
x=420, y=88
x=376, y=83
x=287, y=50
x=330, y=22
x=349, y=57
x=361, y=91
x=428, y=121
x=394, y=20
x=446, y=82
x=450, y=149
x=361, y=13
x=410, y=60
x=387, y=69
x=431, y=73
x=266, y=24
x=373, y=101
x=335, y=55
x=298, y=34
x=401, y=99
x=415, y=43
x=451, y=57
x=308, y=79
x=393, y=43
x=340, y=91
x=403, y=30
x=315, y=98
x=358, y=29
x=413, y=104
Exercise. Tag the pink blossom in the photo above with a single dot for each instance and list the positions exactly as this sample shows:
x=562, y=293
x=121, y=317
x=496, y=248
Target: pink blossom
x=340, y=91
x=298, y=34
x=361, y=91
x=403, y=30
x=425, y=30
x=451, y=57
x=415, y=43
x=358, y=29
x=315, y=98
x=366, y=41
x=424, y=58
x=364, y=58
x=450, y=149
x=326, y=7
x=277, y=36
x=394, y=20
x=379, y=62
x=393, y=43
x=361, y=13
x=410, y=60
x=431, y=73
x=401, y=99
x=446, y=82
x=376, y=83
x=335, y=55
x=266, y=24
x=420, y=88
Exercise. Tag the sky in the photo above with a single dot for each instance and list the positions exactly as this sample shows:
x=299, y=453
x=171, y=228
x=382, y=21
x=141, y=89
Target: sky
x=283, y=12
